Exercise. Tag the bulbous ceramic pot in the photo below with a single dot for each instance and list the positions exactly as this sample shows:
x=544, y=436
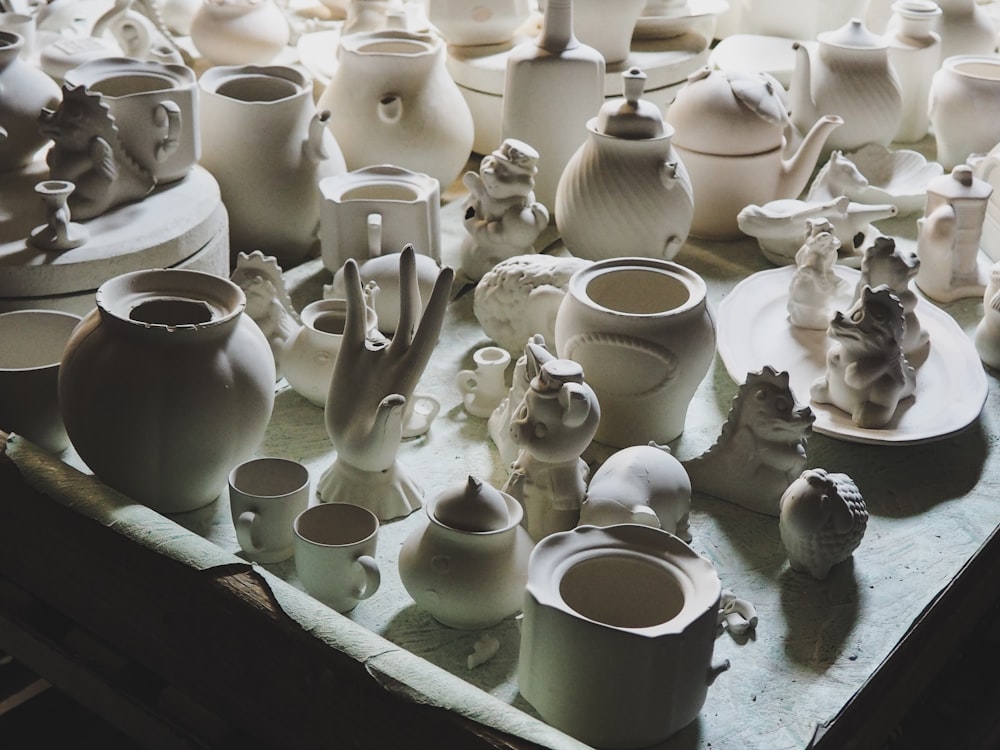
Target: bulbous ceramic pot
x=618, y=633
x=25, y=92
x=268, y=146
x=166, y=386
x=468, y=564
x=965, y=107
x=239, y=32
x=643, y=333
x=392, y=101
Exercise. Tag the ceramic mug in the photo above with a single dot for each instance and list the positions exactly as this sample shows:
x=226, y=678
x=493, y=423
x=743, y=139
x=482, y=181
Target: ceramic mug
x=31, y=347
x=265, y=496
x=335, y=553
x=155, y=106
x=484, y=387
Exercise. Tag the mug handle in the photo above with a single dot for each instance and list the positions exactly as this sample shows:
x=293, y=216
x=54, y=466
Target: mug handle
x=467, y=381
x=167, y=116
x=246, y=524
x=373, y=577
x=419, y=413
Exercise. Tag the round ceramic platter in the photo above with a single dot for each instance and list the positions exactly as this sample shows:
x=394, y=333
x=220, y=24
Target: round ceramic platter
x=662, y=27
x=753, y=331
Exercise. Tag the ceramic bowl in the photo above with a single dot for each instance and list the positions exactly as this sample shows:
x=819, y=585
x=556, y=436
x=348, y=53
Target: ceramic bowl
x=897, y=177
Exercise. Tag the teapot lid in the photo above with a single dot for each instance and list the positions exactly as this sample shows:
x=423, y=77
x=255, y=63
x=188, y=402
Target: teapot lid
x=631, y=117
x=475, y=506
x=960, y=184
x=853, y=35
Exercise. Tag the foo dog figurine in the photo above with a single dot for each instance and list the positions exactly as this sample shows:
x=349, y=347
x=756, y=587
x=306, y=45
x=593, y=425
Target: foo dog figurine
x=640, y=484
x=552, y=426
x=762, y=446
x=867, y=374
x=88, y=152
x=502, y=217
x=268, y=303
x=815, y=285
x=823, y=518
x=885, y=263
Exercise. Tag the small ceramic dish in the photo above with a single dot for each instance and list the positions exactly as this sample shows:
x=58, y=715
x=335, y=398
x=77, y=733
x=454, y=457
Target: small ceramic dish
x=653, y=25
x=897, y=177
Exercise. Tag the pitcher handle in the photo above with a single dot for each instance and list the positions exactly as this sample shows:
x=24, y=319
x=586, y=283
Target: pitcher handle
x=167, y=116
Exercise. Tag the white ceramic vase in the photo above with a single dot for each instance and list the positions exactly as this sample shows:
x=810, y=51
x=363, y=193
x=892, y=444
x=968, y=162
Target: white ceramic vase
x=166, y=386
x=618, y=634
x=642, y=331
x=392, y=101
x=915, y=55
x=26, y=91
x=268, y=147
x=239, y=32
x=468, y=564
x=626, y=185
x=965, y=107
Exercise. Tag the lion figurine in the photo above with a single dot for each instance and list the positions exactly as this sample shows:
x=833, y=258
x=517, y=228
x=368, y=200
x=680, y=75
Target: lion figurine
x=867, y=374
x=815, y=285
x=762, y=446
x=261, y=279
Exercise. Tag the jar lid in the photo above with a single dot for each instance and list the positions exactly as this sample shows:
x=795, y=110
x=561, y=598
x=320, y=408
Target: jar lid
x=960, y=183
x=475, y=506
x=853, y=35
x=631, y=117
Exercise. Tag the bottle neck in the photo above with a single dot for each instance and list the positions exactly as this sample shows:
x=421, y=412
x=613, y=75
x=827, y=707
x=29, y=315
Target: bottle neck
x=557, y=26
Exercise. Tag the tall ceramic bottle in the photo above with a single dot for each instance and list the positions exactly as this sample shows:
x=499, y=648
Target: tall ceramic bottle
x=915, y=55
x=553, y=86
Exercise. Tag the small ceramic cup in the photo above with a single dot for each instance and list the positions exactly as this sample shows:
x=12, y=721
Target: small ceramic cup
x=31, y=348
x=265, y=496
x=335, y=553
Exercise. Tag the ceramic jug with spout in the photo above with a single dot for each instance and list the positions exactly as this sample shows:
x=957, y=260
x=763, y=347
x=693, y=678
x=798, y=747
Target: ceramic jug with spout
x=849, y=74
x=392, y=101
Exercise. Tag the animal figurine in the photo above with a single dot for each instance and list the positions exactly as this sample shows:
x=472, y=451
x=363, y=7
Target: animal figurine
x=87, y=150
x=260, y=277
x=778, y=225
x=884, y=262
x=498, y=423
x=867, y=374
x=552, y=426
x=640, y=484
x=822, y=521
x=520, y=297
x=502, y=217
x=761, y=448
x=987, y=335
x=839, y=176
x=815, y=285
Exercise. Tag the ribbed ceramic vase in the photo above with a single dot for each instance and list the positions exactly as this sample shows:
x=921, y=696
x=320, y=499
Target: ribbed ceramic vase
x=166, y=386
x=643, y=333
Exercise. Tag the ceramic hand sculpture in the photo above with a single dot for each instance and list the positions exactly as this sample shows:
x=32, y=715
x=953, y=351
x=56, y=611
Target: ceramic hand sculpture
x=372, y=382
x=823, y=518
x=502, y=217
x=552, y=426
x=867, y=374
x=815, y=285
x=762, y=447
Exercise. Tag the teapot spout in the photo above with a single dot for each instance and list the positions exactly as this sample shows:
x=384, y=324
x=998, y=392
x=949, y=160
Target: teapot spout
x=313, y=147
x=800, y=98
x=795, y=171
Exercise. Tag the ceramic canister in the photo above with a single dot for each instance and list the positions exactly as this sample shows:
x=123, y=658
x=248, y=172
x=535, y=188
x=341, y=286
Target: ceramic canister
x=965, y=107
x=642, y=331
x=618, y=633
x=166, y=385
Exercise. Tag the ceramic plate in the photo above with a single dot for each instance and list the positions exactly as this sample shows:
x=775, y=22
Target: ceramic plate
x=753, y=331
x=663, y=27
x=899, y=177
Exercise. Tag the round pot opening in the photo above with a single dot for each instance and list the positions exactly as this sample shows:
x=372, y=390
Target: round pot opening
x=132, y=83
x=380, y=192
x=331, y=322
x=638, y=291
x=257, y=88
x=269, y=477
x=171, y=312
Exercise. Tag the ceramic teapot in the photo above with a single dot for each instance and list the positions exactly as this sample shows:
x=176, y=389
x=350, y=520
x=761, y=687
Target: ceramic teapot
x=730, y=134
x=848, y=74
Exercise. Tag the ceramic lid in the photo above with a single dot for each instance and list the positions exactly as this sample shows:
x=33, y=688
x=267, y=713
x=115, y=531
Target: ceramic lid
x=960, y=183
x=853, y=35
x=475, y=506
x=631, y=117
x=729, y=113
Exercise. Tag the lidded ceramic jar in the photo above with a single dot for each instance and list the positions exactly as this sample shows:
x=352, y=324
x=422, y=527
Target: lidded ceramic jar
x=166, y=386
x=26, y=91
x=468, y=564
x=965, y=107
x=642, y=331
x=915, y=54
x=618, y=634
x=625, y=186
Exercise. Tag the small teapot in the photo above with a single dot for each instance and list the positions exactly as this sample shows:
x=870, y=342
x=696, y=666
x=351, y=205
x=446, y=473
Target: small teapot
x=849, y=74
x=730, y=135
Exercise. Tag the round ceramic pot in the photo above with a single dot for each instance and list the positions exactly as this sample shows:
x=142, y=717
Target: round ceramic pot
x=166, y=386
x=467, y=579
x=483, y=22
x=26, y=91
x=608, y=33
x=965, y=107
x=239, y=32
x=642, y=331
x=618, y=633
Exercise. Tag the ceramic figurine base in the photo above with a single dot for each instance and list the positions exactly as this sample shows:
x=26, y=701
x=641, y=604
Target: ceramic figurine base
x=180, y=225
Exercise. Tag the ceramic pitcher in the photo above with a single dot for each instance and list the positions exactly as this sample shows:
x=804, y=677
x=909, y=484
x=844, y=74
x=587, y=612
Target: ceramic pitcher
x=392, y=101
x=268, y=147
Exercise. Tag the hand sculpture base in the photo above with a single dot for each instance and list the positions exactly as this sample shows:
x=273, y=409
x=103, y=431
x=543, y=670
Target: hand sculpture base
x=389, y=493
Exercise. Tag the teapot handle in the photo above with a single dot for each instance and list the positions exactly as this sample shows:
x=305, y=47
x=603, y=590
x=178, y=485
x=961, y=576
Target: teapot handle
x=167, y=116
